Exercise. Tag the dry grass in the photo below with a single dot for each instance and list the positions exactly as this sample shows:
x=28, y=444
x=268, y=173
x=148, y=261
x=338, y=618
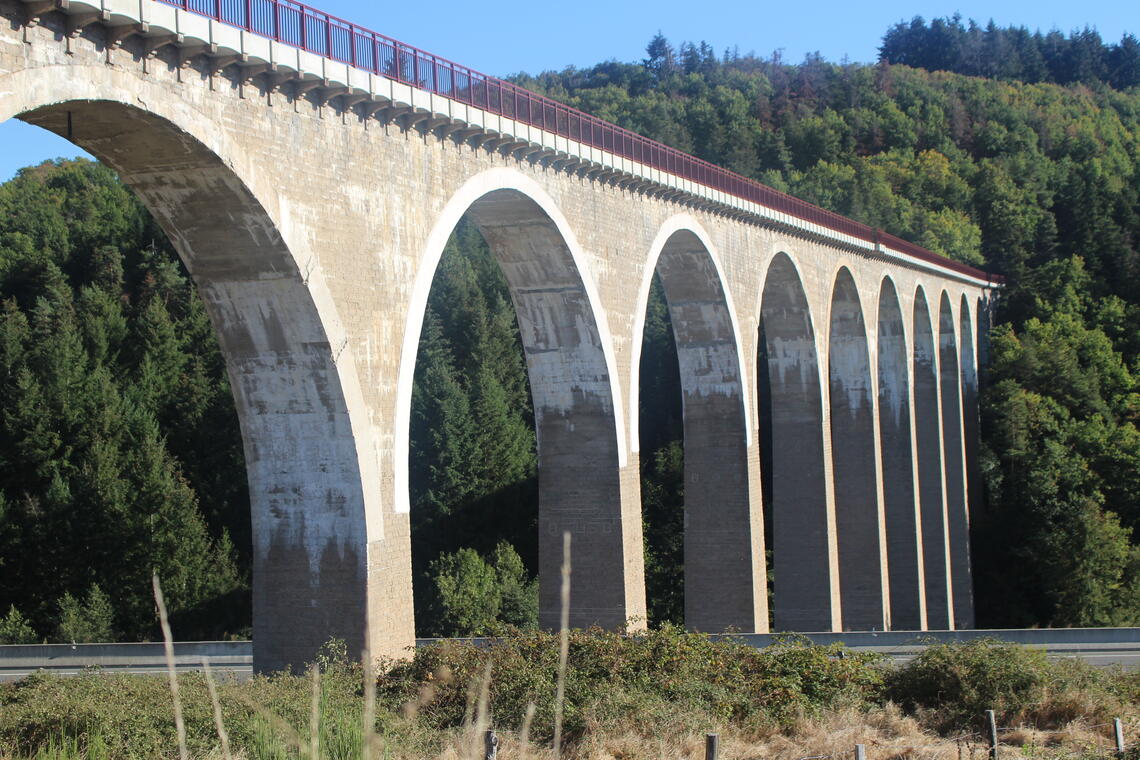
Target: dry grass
x=886, y=733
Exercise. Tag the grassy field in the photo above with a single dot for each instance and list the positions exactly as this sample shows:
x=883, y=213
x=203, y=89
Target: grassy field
x=646, y=696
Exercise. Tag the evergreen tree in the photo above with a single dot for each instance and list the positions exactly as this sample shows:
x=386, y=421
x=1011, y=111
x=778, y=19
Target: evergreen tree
x=90, y=360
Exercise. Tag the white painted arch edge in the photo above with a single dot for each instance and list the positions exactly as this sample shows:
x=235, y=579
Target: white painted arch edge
x=499, y=178
x=671, y=226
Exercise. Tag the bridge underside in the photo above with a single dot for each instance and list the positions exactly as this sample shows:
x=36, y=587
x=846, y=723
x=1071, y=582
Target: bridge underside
x=312, y=224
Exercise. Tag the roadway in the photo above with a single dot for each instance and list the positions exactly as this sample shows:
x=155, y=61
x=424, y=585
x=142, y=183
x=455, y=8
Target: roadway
x=1100, y=647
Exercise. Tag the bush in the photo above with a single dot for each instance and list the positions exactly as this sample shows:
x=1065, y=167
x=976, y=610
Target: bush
x=130, y=717
x=954, y=684
x=610, y=672
x=476, y=597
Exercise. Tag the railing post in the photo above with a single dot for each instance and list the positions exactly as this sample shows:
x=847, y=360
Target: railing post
x=276, y=19
x=249, y=15
x=304, y=28
x=328, y=37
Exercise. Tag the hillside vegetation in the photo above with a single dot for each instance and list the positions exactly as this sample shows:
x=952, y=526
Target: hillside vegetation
x=119, y=447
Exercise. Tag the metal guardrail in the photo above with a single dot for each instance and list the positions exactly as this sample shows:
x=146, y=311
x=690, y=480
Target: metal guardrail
x=322, y=34
x=19, y=660
x=1101, y=647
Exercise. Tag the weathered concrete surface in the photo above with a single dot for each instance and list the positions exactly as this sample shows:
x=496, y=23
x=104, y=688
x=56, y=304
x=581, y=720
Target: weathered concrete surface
x=954, y=450
x=971, y=438
x=313, y=231
x=903, y=517
x=724, y=538
x=804, y=552
x=931, y=477
x=859, y=520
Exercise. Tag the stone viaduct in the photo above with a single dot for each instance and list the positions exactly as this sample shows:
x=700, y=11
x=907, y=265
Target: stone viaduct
x=310, y=182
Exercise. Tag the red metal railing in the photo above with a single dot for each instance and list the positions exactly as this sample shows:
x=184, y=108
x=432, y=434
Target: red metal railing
x=298, y=25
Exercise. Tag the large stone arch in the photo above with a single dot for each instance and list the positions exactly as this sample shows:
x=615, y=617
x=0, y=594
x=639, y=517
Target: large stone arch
x=314, y=482
x=928, y=443
x=806, y=594
x=585, y=486
x=725, y=578
x=904, y=531
x=954, y=453
x=862, y=563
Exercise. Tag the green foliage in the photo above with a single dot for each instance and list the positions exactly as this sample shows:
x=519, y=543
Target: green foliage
x=15, y=629
x=609, y=673
x=476, y=597
x=958, y=682
x=1062, y=458
x=663, y=508
x=113, y=383
x=519, y=592
x=1013, y=52
x=468, y=592
x=87, y=621
x=124, y=717
x=473, y=459
x=643, y=686
x=662, y=464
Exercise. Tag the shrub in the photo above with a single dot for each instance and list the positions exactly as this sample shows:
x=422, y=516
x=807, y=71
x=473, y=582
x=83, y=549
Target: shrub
x=607, y=672
x=956, y=683
x=475, y=597
x=129, y=717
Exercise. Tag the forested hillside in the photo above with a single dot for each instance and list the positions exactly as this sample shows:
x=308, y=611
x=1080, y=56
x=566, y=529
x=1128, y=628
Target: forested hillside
x=1013, y=53
x=111, y=378
x=119, y=448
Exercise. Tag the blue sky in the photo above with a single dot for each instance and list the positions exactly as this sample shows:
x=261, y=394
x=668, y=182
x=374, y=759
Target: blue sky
x=532, y=37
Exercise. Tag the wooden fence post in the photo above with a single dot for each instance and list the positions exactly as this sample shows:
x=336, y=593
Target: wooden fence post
x=993, y=734
x=712, y=746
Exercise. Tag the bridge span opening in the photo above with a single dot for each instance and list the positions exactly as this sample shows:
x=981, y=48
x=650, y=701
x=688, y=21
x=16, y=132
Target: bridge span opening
x=721, y=534
x=582, y=486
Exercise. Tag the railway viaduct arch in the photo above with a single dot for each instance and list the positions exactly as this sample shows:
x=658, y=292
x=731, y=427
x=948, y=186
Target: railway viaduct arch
x=311, y=199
